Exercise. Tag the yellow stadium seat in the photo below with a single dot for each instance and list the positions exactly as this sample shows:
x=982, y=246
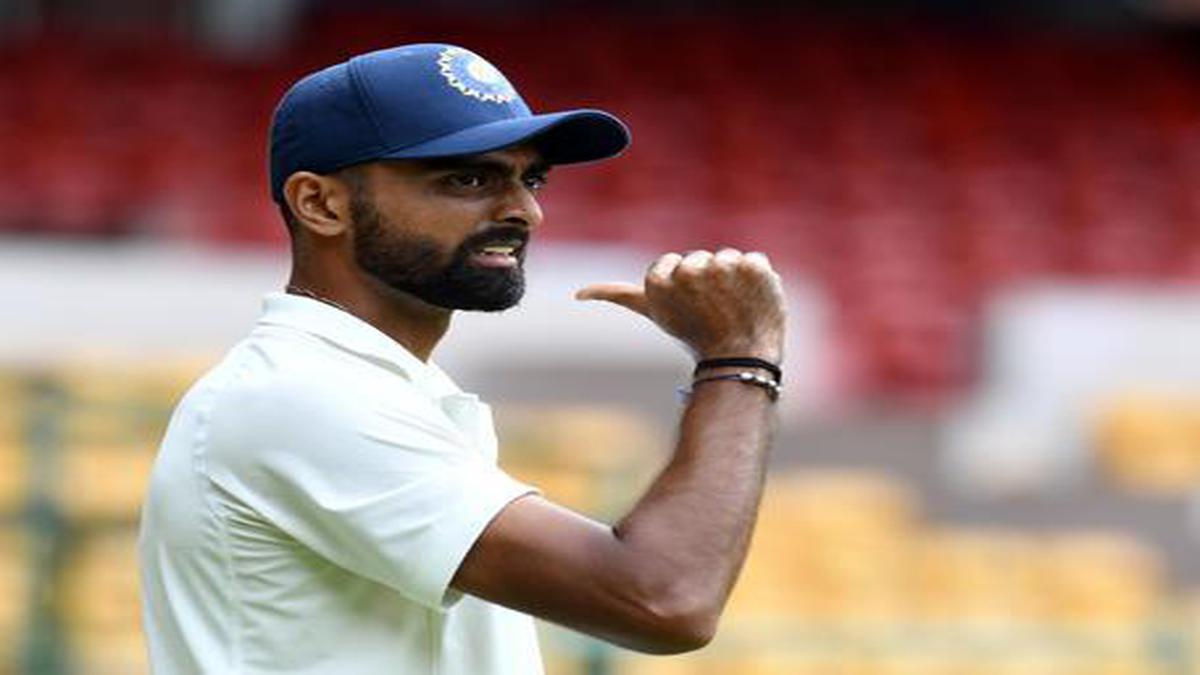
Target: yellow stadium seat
x=100, y=402
x=15, y=577
x=963, y=573
x=839, y=505
x=101, y=603
x=916, y=662
x=116, y=401
x=773, y=586
x=570, y=487
x=166, y=383
x=14, y=478
x=100, y=581
x=1151, y=442
x=1125, y=666
x=596, y=459
x=829, y=545
x=1102, y=577
x=595, y=438
x=103, y=481
x=774, y=662
x=868, y=583
x=756, y=660
x=14, y=391
x=1018, y=654
x=637, y=664
x=111, y=655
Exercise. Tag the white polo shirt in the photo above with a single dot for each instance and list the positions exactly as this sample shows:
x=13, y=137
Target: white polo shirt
x=313, y=496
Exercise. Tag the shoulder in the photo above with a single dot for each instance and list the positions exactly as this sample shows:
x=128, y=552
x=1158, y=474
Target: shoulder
x=283, y=373
x=304, y=389
x=312, y=399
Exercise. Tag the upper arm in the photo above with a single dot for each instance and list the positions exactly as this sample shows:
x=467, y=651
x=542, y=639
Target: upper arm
x=543, y=559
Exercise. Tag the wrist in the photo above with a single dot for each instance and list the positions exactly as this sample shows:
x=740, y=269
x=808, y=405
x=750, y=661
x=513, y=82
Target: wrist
x=770, y=355
x=766, y=383
x=750, y=364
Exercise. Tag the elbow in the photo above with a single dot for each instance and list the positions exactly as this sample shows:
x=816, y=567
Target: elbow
x=678, y=623
x=685, y=638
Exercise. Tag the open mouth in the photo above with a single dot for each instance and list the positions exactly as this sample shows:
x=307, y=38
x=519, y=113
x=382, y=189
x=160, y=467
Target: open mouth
x=503, y=253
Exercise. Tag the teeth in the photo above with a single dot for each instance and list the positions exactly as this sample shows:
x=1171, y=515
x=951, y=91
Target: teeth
x=499, y=250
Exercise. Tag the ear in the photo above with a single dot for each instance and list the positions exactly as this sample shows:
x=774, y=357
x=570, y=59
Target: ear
x=321, y=204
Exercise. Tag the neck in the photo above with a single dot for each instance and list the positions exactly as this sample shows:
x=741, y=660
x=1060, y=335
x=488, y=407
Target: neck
x=416, y=325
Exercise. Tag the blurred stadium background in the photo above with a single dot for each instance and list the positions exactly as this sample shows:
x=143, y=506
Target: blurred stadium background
x=989, y=215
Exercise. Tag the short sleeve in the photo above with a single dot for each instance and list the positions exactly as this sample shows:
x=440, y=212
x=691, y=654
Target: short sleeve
x=391, y=490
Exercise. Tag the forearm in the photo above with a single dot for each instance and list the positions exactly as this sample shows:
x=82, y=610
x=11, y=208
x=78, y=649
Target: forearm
x=688, y=535
x=658, y=580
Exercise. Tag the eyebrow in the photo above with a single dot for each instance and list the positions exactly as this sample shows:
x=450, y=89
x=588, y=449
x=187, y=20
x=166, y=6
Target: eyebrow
x=482, y=164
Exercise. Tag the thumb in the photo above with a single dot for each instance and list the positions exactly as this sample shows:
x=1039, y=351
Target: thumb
x=629, y=296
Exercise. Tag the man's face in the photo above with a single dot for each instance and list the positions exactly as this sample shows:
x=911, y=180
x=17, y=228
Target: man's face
x=451, y=232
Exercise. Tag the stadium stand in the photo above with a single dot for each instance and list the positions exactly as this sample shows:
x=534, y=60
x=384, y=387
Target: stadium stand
x=846, y=572
x=909, y=192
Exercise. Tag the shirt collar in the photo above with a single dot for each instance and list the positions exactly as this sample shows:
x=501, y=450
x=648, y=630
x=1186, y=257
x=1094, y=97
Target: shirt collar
x=355, y=335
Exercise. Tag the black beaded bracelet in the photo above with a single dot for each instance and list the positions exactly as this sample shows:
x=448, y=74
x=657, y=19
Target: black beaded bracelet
x=743, y=362
x=772, y=387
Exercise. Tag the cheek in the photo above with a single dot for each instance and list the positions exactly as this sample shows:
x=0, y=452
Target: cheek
x=450, y=221
x=441, y=221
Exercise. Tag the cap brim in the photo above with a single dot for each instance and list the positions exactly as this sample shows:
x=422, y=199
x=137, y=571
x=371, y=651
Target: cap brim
x=562, y=138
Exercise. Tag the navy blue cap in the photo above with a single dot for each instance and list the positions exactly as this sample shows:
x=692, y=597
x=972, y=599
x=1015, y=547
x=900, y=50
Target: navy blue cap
x=419, y=102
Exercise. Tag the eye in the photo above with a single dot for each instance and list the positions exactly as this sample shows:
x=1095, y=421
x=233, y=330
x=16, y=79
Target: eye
x=535, y=182
x=471, y=180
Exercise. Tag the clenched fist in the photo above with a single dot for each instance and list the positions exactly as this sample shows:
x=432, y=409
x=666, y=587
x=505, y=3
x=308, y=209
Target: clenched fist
x=724, y=304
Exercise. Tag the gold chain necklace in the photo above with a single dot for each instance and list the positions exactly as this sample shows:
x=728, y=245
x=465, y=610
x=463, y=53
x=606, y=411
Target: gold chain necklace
x=300, y=290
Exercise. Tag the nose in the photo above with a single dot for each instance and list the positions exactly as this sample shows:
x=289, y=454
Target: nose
x=519, y=206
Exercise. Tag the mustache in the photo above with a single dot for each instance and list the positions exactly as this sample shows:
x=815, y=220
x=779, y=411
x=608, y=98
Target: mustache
x=500, y=233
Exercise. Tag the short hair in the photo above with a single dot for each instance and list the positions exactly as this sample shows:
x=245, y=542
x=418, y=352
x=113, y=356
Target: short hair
x=289, y=218
x=352, y=175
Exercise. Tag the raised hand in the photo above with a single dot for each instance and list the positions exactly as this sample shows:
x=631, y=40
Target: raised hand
x=724, y=304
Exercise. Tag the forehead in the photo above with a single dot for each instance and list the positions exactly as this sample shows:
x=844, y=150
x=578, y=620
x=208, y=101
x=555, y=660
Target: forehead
x=519, y=154
x=518, y=159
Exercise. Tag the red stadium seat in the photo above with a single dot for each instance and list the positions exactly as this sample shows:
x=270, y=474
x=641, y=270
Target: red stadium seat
x=846, y=151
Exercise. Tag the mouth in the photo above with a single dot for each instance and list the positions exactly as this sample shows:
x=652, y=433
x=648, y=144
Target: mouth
x=505, y=253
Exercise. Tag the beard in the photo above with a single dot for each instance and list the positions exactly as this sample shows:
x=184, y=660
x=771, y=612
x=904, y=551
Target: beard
x=411, y=263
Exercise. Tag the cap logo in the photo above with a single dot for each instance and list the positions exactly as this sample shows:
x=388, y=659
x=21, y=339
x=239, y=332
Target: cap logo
x=474, y=77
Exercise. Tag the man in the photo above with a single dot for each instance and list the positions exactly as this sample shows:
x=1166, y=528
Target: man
x=326, y=500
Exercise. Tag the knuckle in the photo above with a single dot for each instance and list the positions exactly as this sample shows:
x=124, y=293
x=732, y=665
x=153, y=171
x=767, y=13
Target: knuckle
x=663, y=266
x=756, y=259
x=757, y=271
x=688, y=272
x=665, y=259
x=656, y=281
x=728, y=258
x=657, y=287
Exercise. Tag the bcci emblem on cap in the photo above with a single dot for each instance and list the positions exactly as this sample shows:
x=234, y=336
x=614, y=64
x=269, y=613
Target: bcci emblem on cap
x=474, y=77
